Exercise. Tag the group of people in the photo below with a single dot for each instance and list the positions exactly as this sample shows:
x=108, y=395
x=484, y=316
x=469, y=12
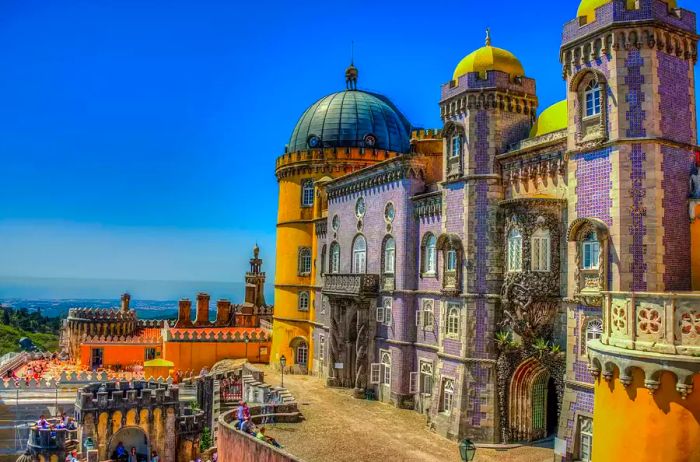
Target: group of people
x=33, y=370
x=246, y=425
x=120, y=454
x=64, y=423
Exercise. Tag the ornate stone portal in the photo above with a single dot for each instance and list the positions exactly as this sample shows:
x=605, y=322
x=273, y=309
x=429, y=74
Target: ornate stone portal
x=351, y=332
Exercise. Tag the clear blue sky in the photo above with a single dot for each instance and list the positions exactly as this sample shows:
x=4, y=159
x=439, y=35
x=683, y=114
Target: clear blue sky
x=138, y=138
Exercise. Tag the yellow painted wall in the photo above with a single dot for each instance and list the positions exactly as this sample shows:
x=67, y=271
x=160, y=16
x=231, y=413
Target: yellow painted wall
x=695, y=249
x=196, y=355
x=630, y=424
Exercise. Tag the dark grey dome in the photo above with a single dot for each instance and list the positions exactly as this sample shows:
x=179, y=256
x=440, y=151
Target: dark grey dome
x=352, y=118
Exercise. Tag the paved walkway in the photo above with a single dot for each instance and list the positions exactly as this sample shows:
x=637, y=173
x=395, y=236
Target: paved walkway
x=339, y=428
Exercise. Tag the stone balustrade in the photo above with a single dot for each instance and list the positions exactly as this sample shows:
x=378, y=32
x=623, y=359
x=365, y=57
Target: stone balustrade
x=366, y=285
x=667, y=323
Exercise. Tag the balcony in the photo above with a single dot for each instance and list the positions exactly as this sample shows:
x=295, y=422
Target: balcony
x=666, y=323
x=352, y=285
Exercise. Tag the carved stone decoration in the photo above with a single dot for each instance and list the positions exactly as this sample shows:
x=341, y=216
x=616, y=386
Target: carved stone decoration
x=590, y=283
x=361, y=353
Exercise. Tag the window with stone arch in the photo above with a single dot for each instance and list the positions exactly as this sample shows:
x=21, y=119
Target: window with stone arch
x=593, y=330
x=304, y=261
x=359, y=255
x=307, y=193
x=302, y=354
x=426, y=377
x=452, y=319
x=447, y=398
x=386, y=367
x=303, y=300
x=334, y=261
x=429, y=256
x=389, y=255
x=590, y=251
x=592, y=99
x=515, y=250
x=541, y=250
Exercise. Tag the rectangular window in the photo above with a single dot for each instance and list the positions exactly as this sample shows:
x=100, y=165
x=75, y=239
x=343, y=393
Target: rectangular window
x=452, y=319
x=307, y=193
x=150, y=354
x=375, y=371
x=425, y=317
x=413, y=383
x=448, y=388
x=591, y=251
x=540, y=253
x=585, y=439
x=321, y=347
x=380, y=313
x=456, y=146
x=426, y=377
x=303, y=300
x=387, y=311
x=451, y=260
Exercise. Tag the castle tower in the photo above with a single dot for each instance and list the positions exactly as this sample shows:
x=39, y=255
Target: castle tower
x=338, y=134
x=628, y=67
x=488, y=105
x=255, y=279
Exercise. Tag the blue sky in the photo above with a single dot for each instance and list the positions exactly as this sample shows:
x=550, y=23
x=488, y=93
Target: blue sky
x=138, y=138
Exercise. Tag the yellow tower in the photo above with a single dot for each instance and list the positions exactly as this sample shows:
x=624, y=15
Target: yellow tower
x=338, y=134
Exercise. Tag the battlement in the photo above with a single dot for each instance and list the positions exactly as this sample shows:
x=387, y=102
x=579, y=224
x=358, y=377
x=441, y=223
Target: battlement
x=119, y=395
x=330, y=155
x=147, y=336
x=191, y=422
x=151, y=323
x=426, y=134
x=100, y=314
x=46, y=439
x=214, y=334
x=492, y=80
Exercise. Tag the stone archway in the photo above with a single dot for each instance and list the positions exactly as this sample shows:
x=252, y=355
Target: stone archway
x=131, y=436
x=528, y=401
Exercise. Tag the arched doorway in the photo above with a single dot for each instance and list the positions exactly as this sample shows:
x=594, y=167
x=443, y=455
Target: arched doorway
x=531, y=402
x=301, y=353
x=130, y=437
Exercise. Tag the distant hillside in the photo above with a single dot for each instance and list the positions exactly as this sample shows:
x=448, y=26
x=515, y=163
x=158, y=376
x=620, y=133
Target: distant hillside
x=18, y=323
x=9, y=339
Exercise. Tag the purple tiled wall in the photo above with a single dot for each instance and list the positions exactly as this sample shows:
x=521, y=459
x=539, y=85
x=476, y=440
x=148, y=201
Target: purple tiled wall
x=635, y=97
x=593, y=185
x=675, y=101
x=637, y=229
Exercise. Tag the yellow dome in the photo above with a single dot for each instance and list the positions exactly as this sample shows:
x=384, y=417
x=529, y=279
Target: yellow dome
x=552, y=119
x=489, y=58
x=587, y=7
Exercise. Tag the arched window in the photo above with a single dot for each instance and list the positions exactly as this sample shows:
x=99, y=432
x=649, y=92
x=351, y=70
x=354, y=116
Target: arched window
x=515, y=250
x=429, y=254
x=594, y=330
x=335, y=258
x=323, y=259
x=448, y=391
x=304, y=300
x=592, y=98
x=302, y=354
x=304, y=261
x=590, y=252
x=451, y=260
x=541, y=250
x=389, y=255
x=359, y=255
x=452, y=319
x=456, y=148
x=307, y=193
x=386, y=366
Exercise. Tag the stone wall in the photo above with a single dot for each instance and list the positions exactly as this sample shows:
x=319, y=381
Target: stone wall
x=236, y=446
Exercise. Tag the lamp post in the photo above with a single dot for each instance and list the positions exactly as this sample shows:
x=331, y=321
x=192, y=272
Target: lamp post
x=246, y=340
x=467, y=450
x=283, y=362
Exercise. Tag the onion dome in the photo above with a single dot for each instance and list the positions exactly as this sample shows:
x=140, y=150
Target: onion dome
x=352, y=119
x=552, y=119
x=587, y=7
x=489, y=58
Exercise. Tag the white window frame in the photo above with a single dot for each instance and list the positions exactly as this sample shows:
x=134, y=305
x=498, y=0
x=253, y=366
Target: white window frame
x=453, y=319
x=541, y=250
x=304, y=301
x=585, y=438
x=451, y=261
x=430, y=255
x=425, y=316
x=456, y=146
x=447, y=395
x=302, y=352
x=304, y=261
x=413, y=383
x=375, y=373
x=359, y=255
x=334, y=260
x=380, y=313
x=426, y=377
x=592, y=99
x=593, y=331
x=385, y=356
x=387, y=310
x=515, y=250
x=307, y=193
x=590, y=246
x=389, y=255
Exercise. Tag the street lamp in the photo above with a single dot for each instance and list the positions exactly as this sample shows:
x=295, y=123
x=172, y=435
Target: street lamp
x=467, y=450
x=283, y=362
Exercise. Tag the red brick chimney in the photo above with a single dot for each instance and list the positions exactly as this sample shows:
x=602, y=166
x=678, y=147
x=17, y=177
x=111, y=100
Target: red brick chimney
x=184, y=313
x=223, y=313
x=202, y=310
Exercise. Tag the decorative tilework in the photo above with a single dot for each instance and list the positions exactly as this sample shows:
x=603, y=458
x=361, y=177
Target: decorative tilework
x=675, y=102
x=635, y=97
x=637, y=229
x=593, y=185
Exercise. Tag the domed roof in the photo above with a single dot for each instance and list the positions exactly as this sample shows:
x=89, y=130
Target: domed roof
x=552, y=119
x=489, y=58
x=352, y=118
x=587, y=7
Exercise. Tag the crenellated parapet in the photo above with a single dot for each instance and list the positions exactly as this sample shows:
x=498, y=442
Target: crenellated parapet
x=119, y=395
x=100, y=314
x=214, y=335
x=328, y=161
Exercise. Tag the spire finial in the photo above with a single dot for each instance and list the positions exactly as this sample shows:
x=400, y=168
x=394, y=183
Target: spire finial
x=488, y=36
x=351, y=72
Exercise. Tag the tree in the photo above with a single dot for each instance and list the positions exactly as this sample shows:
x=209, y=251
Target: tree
x=205, y=440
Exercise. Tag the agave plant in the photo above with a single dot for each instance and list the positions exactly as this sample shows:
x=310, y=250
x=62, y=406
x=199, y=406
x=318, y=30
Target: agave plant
x=503, y=340
x=555, y=349
x=540, y=346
